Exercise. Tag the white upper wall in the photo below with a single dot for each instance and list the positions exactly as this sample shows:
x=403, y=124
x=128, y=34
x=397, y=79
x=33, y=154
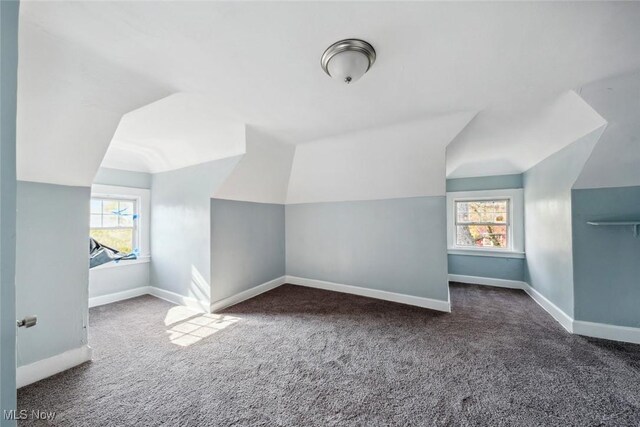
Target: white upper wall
x=405, y=160
x=175, y=132
x=615, y=161
x=70, y=100
x=510, y=141
x=262, y=175
x=83, y=65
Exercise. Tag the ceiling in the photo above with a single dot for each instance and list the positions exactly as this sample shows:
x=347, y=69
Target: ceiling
x=615, y=160
x=83, y=65
x=510, y=141
x=174, y=132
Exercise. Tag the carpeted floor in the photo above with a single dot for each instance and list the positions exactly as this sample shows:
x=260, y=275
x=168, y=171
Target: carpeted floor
x=299, y=356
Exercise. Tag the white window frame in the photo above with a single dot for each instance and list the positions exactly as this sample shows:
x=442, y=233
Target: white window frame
x=142, y=199
x=135, y=227
x=515, y=222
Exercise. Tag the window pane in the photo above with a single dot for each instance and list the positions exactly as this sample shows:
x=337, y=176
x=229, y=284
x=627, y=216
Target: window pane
x=109, y=206
x=96, y=221
x=125, y=220
x=482, y=236
x=126, y=212
x=110, y=220
x=96, y=206
x=495, y=211
x=120, y=239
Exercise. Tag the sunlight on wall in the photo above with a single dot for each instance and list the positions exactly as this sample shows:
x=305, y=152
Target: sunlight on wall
x=187, y=326
x=200, y=288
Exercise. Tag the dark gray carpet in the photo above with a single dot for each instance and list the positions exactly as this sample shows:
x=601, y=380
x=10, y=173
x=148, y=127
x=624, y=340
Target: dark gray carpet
x=298, y=356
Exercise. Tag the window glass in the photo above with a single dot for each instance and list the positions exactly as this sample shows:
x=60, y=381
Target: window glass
x=113, y=223
x=119, y=239
x=96, y=206
x=482, y=223
x=96, y=221
x=109, y=206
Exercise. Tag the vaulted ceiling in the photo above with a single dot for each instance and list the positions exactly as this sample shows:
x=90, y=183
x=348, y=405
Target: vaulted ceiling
x=84, y=65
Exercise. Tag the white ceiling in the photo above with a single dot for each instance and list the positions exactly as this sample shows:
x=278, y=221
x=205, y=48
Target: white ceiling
x=502, y=142
x=85, y=64
x=403, y=160
x=615, y=161
x=177, y=131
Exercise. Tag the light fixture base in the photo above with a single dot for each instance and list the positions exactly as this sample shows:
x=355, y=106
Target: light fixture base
x=353, y=45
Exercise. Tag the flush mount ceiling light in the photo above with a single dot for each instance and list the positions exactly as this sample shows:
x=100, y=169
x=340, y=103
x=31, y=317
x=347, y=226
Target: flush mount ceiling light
x=348, y=59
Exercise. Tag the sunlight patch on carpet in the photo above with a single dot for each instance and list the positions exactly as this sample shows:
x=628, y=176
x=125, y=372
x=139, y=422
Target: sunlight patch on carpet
x=187, y=326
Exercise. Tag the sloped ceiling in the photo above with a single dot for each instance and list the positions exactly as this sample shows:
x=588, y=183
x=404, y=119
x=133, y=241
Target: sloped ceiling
x=177, y=131
x=262, y=174
x=403, y=160
x=502, y=142
x=615, y=161
x=83, y=65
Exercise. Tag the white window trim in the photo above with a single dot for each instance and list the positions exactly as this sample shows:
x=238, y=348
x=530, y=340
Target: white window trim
x=122, y=263
x=516, y=222
x=143, y=204
x=136, y=224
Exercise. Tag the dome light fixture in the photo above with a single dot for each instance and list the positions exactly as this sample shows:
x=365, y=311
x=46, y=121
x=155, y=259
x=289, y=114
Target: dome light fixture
x=348, y=59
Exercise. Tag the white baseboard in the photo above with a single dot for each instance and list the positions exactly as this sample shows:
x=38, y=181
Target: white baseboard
x=172, y=297
x=245, y=295
x=45, y=368
x=476, y=280
x=118, y=296
x=609, y=332
x=561, y=317
x=580, y=327
x=432, y=304
x=178, y=299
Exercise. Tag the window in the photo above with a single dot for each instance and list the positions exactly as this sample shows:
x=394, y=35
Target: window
x=482, y=223
x=486, y=223
x=113, y=223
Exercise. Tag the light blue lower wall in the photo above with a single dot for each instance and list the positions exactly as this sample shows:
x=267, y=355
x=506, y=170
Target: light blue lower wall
x=494, y=182
x=180, y=227
x=548, y=235
x=247, y=246
x=113, y=279
x=483, y=266
x=122, y=178
x=52, y=268
x=8, y=88
x=395, y=245
x=606, y=259
x=105, y=281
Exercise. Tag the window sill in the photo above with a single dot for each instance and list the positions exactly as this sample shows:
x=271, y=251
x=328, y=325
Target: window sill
x=486, y=253
x=123, y=263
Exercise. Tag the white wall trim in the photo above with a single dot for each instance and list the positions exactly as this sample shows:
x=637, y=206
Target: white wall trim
x=516, y=220
x=143, y=197
x=245, y=295
x=486, y=253
x=477, y=280
x=194, y=303
x=561, y=317
x=609, y=332
x=119, y=296
x=45, y=368
x=579, y=327
x=432, y=304
x=122, y=263
x=172, y=297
